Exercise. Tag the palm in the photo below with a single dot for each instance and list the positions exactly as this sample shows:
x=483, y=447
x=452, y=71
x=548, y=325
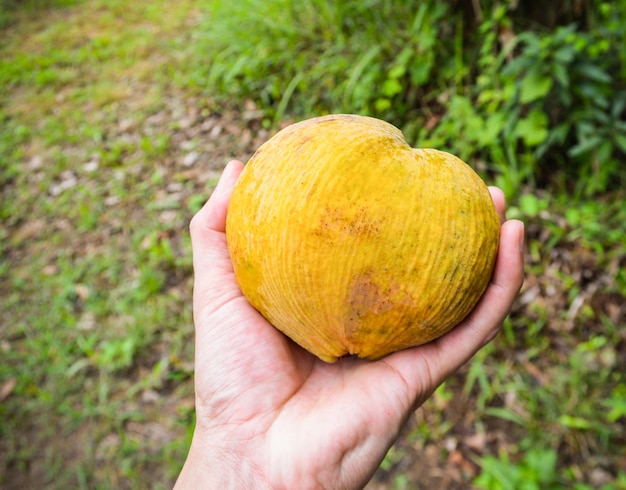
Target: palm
x=274, y=389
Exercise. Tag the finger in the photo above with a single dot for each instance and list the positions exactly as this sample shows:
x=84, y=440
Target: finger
x=499, y=201
x=208, y=225
x=211, y=260
x=212, y=216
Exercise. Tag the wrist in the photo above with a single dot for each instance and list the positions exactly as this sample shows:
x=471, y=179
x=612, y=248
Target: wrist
x=209, y=465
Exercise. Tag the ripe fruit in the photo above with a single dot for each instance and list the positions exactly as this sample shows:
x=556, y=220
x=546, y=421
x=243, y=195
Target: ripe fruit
x=349, y=241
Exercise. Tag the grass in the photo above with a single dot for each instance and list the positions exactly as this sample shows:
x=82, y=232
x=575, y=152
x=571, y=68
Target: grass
x=111, y=139
x=96, y=326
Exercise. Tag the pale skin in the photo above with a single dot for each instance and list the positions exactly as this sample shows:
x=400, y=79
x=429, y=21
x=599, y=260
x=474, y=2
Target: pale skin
x=271, y=415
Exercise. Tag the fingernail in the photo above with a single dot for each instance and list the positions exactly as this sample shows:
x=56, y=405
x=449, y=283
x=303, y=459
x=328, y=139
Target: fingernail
x=521, y=237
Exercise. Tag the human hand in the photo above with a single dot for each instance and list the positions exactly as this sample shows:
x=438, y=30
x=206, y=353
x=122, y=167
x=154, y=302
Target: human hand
x=271, y=415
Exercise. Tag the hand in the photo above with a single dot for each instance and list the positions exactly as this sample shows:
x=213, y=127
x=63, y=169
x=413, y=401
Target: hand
x=271, y=415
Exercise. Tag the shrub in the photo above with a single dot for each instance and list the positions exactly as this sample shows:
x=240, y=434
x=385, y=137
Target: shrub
x=531, y=102
x=546, y=105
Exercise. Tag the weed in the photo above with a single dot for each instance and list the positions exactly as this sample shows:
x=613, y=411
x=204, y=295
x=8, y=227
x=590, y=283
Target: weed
x=537, y=470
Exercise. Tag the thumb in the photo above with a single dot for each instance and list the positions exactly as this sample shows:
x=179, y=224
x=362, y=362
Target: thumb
x=213, y=273
x=212, y=216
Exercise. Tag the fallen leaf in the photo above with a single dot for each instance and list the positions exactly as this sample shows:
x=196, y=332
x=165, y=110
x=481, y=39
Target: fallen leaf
x=7, y=388
x=477, y=441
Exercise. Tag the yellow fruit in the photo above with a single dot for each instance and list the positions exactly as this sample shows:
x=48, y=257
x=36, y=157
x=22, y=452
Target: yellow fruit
x=349, y=241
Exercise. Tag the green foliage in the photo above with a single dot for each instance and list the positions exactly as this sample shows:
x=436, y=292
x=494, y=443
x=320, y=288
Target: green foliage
x=545, y=106
x=314, y=56
x=598, y=225
x=536, y=471
x=572, y=406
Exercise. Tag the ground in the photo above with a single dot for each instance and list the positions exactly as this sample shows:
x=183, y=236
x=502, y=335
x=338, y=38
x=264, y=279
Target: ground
x=109, y=156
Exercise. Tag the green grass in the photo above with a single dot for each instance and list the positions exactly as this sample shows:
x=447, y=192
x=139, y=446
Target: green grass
x=102, y=102
x=95, y=274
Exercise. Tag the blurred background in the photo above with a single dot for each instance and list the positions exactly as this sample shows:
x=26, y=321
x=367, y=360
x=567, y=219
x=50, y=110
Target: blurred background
x=116, y=119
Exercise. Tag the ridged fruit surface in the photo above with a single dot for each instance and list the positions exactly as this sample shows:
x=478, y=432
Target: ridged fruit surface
x=349, y=241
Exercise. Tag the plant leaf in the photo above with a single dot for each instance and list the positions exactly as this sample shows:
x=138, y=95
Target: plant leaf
x=534, y=86
x=533, y=128
x=574, y=422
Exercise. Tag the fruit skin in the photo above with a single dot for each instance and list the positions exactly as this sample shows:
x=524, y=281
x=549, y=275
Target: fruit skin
x=349, y=241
